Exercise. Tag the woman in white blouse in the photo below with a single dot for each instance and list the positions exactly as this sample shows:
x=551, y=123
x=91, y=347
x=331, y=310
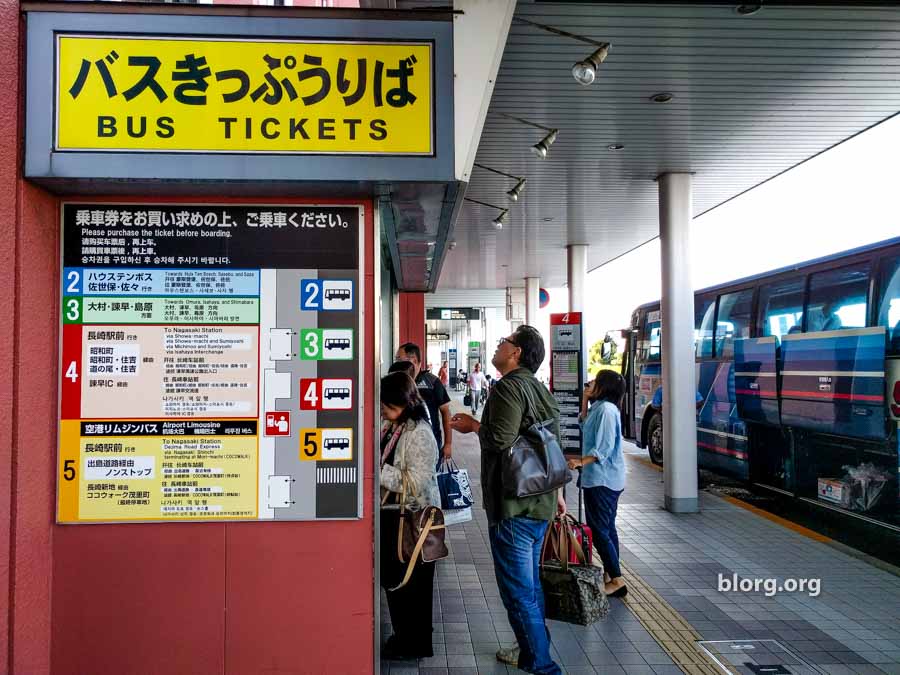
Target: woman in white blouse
x=409, y=456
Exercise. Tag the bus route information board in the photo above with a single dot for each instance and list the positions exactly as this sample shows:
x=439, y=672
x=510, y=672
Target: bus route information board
x=566, y=377
x=209, y=362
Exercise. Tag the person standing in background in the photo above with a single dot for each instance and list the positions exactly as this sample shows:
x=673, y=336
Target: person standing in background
x=435, y=396
x=476, y=384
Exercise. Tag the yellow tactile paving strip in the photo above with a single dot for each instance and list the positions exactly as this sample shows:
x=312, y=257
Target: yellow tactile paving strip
x=674, y=634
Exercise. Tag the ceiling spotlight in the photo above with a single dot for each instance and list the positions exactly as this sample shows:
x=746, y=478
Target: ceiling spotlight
x=541, y=149
x=516, y=191
x=663, y=97
x=748, y=8
x=615, y=147
x=585, y=72
x=498, y=221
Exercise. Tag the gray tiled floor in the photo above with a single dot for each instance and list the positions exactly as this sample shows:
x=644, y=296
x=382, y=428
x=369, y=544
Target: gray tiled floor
x=853, y=626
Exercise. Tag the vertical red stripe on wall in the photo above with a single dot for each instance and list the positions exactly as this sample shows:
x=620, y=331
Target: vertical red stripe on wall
x=37, y=311
x=412, y=318
x=9, y=179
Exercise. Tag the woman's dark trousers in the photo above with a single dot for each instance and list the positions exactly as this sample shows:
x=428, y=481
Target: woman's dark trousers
x=410, y=606
x=600, y=505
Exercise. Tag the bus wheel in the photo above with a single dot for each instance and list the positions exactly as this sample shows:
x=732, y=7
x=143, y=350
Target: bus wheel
x=655, y=439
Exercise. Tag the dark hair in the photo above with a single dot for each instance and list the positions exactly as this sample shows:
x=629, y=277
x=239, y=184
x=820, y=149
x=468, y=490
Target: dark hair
x=531, y=343
x=412, y=349
x=608, y=386
x=398, y=389
x=407, y=367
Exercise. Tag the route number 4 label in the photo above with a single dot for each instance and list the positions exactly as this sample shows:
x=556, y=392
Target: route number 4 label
x=326, y=394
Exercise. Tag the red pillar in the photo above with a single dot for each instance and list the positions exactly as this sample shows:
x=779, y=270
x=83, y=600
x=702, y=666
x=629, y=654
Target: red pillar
x=412, y=318
x=29, y=248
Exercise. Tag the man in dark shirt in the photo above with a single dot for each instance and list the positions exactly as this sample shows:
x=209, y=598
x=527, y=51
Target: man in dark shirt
x=436, y=398
x=516, y=526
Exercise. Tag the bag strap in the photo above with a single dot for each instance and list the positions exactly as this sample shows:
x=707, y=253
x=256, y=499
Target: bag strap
x=530, y=407
x=576, y=546
x=445, y=465
x=423, y=535
x=564, y=539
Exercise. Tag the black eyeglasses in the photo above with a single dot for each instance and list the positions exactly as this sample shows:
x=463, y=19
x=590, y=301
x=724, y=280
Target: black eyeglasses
x=506, y=339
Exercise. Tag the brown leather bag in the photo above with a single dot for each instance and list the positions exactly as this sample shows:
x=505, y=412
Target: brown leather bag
x=421, y=535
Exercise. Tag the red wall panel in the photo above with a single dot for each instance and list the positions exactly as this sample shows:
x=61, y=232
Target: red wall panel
x=34, y=441
x=300, y=595
x=412, y=319
x=139, y=599
x=237, y=598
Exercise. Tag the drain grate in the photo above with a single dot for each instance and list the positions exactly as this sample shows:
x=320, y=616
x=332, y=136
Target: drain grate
x=757, y=657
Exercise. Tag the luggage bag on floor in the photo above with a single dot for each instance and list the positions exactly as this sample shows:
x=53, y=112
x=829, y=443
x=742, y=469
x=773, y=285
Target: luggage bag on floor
x=573, y=593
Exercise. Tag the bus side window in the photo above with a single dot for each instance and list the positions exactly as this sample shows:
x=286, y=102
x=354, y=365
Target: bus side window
x=653, y=353
x=733, y=321
x=704, y=315
x=781, y=304
x=889, y=302
x=837, y=299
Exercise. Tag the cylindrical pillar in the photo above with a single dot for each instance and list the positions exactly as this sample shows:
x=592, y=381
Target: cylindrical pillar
x=678, y=377
x=532, y=299
x=577, y=268
x=576, y=257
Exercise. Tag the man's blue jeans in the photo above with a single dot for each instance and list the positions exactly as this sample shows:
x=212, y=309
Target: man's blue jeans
x=516, y=547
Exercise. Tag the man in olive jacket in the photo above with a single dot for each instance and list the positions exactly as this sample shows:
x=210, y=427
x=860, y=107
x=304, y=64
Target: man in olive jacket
x=517, y=526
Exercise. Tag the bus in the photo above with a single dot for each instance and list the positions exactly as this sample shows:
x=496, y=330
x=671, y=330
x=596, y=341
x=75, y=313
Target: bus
x=340, y=443
x=798, y=381
x=340, y=294
x=336, y=392
x=337, y=343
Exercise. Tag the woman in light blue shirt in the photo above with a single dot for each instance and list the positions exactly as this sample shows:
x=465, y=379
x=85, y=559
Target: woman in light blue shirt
x=603, y=472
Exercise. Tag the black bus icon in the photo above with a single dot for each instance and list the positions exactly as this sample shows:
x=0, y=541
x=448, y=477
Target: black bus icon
x=337, y=343
x=565, y=333
x=340, y=294
x=336, y=443
x=337, y=392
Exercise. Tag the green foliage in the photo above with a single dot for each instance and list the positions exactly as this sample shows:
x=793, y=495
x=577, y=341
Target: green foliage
x=598, y=359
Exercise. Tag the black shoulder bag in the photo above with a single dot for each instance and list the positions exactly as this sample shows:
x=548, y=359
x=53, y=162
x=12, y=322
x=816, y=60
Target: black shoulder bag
x=535, y=463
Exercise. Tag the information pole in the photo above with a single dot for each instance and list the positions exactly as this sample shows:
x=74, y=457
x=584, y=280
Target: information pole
x=210, y=363
x=566, y=378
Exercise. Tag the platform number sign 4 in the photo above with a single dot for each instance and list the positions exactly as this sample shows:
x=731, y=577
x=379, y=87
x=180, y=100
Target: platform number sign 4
x=326, y=394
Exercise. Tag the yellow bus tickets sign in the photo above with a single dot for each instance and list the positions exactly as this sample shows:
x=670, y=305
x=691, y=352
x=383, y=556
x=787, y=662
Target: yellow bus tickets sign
x=170, y=94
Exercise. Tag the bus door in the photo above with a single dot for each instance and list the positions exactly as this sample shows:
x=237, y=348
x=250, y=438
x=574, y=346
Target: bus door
x=628, y=374
x=832, y=382
x=756, y=380
x=647, y=368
